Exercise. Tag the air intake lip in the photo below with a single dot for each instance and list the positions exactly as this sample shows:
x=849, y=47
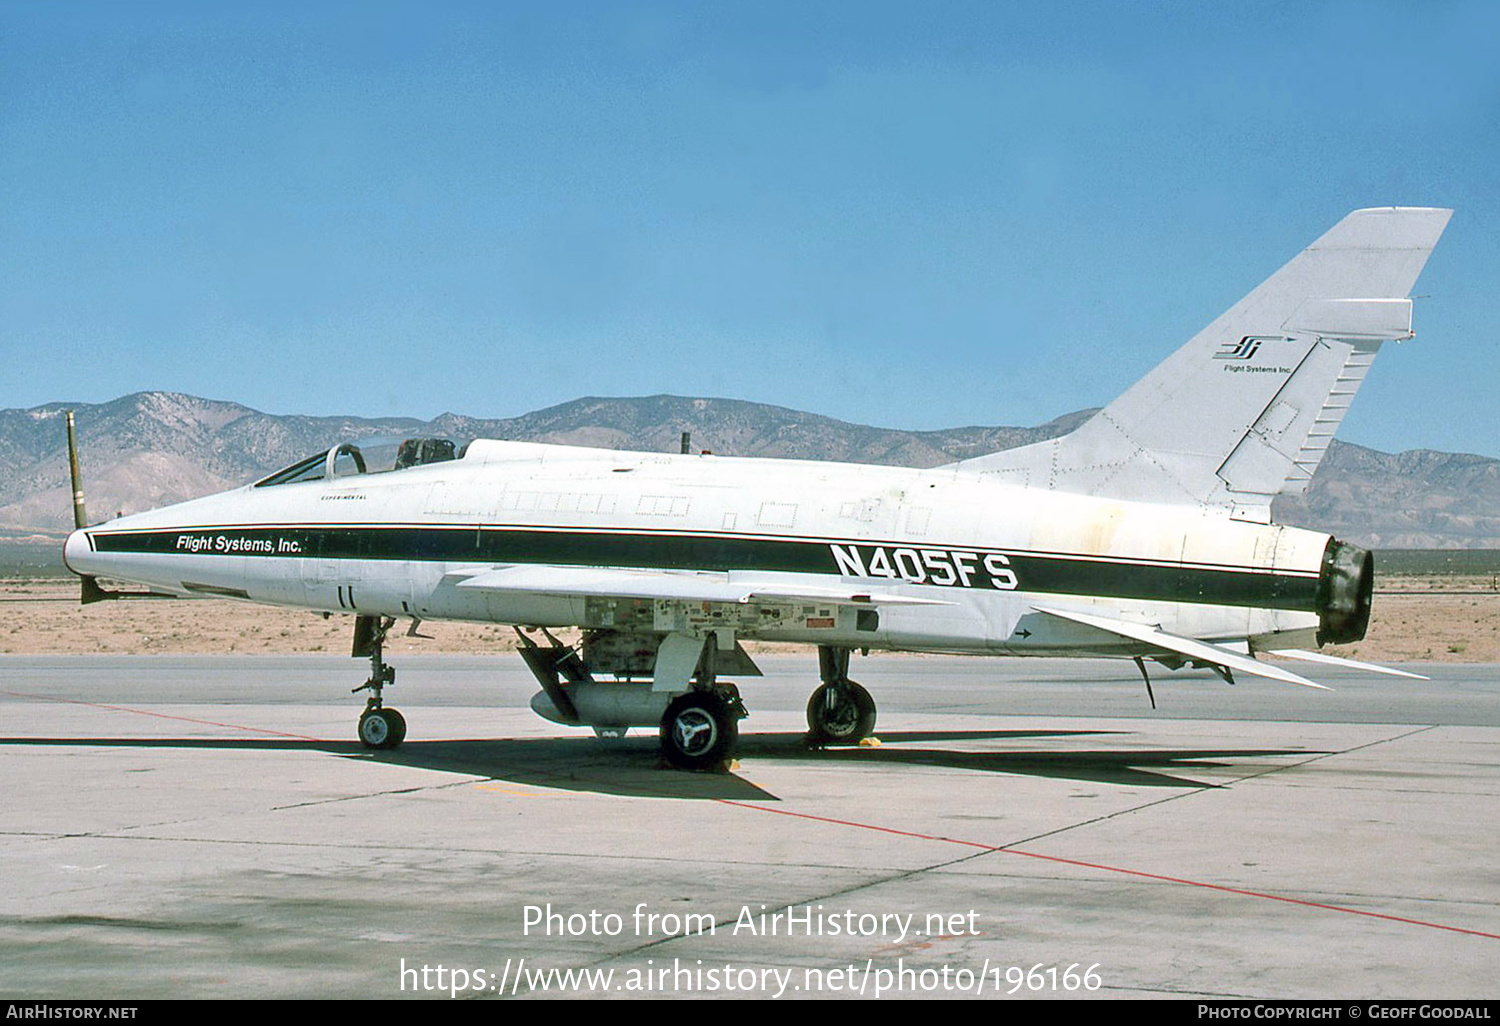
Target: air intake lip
x=1345, y=589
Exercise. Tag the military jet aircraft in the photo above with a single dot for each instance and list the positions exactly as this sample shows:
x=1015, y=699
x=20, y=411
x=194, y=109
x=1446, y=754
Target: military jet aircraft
x=1145, y=534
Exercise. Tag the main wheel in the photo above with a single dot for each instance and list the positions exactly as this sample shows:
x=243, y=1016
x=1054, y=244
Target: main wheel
x=381, y=728
x=698, y=731
x=840, y=712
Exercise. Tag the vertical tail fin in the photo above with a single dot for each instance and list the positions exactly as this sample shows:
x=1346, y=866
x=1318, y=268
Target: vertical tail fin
x=1246, y=409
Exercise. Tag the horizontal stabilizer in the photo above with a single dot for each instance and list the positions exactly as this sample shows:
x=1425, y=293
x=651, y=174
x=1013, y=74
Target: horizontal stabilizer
x=1353, y=664
x=612, y=582
x=1198, y=651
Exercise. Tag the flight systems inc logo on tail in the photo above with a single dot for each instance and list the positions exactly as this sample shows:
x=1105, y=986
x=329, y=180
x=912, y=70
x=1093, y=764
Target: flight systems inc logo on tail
x=1245, y=348
x=1239, y=354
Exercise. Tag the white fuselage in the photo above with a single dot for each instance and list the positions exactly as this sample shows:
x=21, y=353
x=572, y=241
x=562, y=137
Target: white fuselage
x=989, y=554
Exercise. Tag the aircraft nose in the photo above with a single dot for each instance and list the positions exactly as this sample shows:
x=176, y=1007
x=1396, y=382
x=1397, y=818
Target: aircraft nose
x=75, y=551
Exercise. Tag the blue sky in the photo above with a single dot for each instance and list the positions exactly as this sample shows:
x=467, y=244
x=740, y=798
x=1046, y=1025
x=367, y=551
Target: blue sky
x=916, y=215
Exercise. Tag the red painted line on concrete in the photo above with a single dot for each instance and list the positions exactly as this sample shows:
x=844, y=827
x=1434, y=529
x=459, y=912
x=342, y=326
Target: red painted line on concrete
x=861, y=826
x=1115, y=869
x=161, y=716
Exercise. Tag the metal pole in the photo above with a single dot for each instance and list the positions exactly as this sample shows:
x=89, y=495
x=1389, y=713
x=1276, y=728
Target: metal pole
x=80, y=517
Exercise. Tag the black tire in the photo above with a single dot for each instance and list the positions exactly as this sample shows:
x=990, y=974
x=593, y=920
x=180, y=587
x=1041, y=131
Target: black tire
x=699, y=731
x=848, y=720
x=398, y=727
x=381, y=728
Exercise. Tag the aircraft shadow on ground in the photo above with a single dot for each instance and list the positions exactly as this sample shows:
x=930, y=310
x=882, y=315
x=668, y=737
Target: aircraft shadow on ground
x=1132, y=768
x=633, y=767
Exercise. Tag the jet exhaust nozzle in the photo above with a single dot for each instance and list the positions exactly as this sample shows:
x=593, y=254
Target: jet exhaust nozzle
x=1345, y=589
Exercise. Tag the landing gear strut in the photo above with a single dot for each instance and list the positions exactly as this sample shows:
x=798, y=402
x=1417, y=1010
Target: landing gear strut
x=379, y=727
x=840, y=711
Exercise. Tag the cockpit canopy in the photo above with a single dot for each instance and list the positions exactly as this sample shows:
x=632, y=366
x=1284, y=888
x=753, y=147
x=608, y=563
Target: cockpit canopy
x=367, y=456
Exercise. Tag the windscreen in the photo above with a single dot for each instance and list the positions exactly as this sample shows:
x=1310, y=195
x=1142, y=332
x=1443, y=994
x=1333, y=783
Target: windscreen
x=367, y=456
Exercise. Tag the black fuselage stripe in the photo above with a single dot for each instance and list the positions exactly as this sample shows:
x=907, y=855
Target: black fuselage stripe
x=265, y=529
x=1048, y=574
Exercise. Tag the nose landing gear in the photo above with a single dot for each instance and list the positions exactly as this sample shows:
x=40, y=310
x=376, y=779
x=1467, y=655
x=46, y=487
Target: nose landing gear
x=379, y=727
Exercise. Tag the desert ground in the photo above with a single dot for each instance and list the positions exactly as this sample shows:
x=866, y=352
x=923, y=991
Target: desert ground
x=1417, y=618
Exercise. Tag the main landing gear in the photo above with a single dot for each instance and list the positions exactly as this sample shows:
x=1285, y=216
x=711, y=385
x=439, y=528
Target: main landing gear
x=840, y=711
x=696, y=713
x=700, y=730
x=379, y=727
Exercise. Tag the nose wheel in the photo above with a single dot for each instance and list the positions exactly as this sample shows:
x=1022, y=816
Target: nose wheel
x=381, y=728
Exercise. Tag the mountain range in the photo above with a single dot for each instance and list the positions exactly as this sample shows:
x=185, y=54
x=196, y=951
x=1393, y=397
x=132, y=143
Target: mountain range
x=153, y=448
